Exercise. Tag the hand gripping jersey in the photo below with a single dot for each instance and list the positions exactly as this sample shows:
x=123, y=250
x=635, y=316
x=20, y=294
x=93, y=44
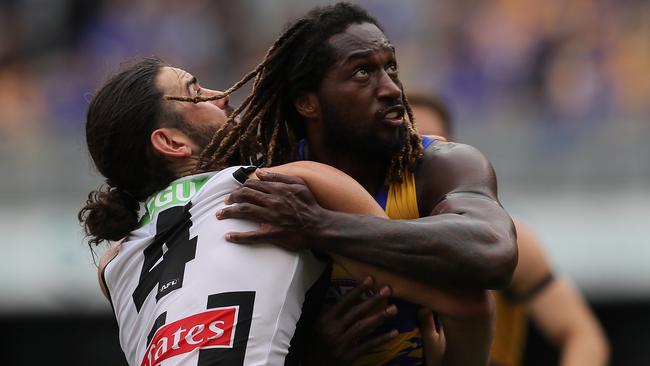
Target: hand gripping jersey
x=182, y=295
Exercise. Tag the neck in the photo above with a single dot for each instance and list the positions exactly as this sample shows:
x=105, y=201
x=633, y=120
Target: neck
x=184, y=167
x=368, y=171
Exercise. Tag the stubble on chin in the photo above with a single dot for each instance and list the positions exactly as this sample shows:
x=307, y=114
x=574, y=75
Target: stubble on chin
x=341, y=135
x=366, y=145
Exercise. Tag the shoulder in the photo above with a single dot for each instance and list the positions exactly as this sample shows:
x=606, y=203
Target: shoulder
x=449, y=167
x=452, y=156
x=108, y=256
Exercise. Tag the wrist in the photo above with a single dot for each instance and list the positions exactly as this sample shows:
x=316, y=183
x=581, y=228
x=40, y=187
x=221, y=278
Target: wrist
x=325, y=233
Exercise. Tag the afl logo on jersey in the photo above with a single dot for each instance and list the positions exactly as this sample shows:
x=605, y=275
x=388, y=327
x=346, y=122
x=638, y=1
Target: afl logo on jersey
x=166, y=286
x=214, y=328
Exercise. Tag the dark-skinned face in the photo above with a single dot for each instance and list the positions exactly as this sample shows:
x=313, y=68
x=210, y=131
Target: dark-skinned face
x=360, y=95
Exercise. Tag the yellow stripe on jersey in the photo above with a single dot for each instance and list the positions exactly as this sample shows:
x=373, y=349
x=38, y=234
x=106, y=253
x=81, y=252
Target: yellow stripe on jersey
x=402, y=202
x=510, y=334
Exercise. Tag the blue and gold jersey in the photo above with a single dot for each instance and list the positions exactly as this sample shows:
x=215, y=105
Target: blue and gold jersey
x=400, y=202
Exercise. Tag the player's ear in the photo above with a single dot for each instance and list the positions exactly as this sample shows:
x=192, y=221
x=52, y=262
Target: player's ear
x=307, y=105
x=171, y=142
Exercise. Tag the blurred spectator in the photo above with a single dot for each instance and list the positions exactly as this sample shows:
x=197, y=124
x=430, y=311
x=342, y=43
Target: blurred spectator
x=554, y=303
x=572, y=60
x=21, y=103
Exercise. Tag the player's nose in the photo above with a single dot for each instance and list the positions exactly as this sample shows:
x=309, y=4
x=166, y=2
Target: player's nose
x=388, y=88
x=221, y=102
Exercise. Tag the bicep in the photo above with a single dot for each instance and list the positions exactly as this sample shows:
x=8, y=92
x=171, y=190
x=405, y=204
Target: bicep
x=467, y=190
x=453, y=167
x=454, y=171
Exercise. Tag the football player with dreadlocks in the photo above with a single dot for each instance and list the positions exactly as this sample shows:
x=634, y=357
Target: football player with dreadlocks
x=328, y=90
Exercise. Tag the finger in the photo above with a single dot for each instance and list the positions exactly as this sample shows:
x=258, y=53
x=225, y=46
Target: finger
x=433, y=337
x=247, y=211
x=288, y=187
x=437, y=324
x=265, y=175
x=367, y=325
x=352, y=298
x=361, y=310
x=263, y=235
x=375, y=342
x=262, y=186
x=426, y=321
x=246, y=194
x=276, y=189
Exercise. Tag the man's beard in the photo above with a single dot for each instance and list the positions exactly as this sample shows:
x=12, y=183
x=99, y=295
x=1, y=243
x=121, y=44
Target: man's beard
x=341, y=135
x=200, y=135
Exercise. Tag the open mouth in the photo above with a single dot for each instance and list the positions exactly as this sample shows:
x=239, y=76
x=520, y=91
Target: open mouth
x=392, y=115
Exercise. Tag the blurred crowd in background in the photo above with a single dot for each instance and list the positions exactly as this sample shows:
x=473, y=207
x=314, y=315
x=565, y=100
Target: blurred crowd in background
x=567, y=75
x=556, y=93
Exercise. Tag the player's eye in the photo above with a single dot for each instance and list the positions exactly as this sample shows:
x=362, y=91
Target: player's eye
x=361, y=72
x=392, y=68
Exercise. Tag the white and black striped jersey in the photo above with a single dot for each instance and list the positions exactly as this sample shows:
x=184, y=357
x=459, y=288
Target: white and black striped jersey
x=183, y=295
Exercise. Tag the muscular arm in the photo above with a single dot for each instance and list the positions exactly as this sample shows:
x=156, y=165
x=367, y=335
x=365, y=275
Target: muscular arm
x=558, y=309
x=334, y=190
x=467, y=317
x=466, y=241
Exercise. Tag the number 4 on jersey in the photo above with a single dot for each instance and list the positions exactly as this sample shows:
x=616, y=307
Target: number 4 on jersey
x=165, y=259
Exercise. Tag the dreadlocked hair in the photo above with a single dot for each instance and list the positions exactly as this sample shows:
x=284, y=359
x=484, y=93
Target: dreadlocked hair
x=411, y=152
x=270, y=127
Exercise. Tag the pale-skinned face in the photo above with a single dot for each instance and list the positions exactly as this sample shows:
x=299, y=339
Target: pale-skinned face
x=177, y=82
x=201, y=119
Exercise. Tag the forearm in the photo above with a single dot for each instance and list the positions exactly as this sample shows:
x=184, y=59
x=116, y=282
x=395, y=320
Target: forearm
x=468, y=303
x=443, y=250
x=468, y=339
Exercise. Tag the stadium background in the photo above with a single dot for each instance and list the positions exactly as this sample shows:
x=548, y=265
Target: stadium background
x=556, y=93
